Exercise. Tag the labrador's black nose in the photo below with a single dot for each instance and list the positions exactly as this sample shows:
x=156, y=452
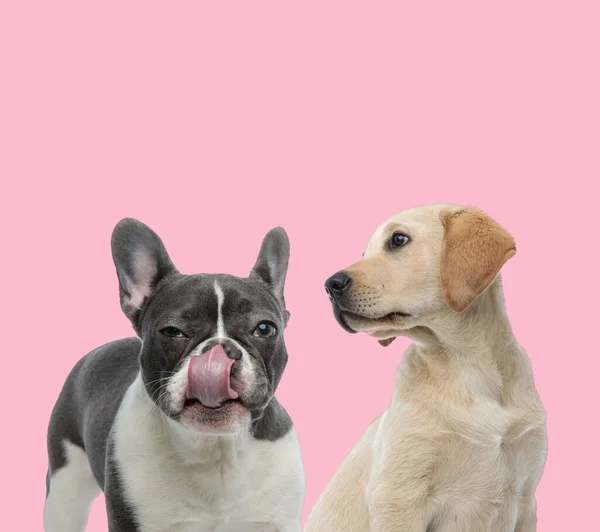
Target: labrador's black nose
x=337, y=283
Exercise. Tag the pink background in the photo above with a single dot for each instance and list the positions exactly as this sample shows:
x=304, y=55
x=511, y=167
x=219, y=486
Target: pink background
x=215, y=122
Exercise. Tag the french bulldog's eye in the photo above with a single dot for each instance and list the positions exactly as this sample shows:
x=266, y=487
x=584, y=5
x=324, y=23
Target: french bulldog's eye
x=265, y=330
x=172, y=332
x=398, y=240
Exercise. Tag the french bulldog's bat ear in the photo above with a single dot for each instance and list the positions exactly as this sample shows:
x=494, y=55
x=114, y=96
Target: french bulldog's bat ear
x=272, y=263
x=141, y=261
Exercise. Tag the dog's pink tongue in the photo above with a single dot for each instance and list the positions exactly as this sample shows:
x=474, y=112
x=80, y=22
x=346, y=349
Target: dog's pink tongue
x=209, y=378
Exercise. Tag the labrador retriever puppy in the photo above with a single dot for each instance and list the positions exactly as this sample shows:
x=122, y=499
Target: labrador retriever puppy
x=462, y=446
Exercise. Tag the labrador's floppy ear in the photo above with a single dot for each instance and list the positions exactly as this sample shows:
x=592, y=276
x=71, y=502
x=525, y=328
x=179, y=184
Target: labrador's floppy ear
x=272, y=263
x=141, y=261
x=474, y=249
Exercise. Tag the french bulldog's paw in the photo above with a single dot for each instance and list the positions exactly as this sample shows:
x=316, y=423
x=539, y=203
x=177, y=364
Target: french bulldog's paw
x=250, y=526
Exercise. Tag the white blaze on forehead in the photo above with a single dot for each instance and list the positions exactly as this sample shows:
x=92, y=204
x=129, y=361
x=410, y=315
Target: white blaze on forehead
x=221, y=333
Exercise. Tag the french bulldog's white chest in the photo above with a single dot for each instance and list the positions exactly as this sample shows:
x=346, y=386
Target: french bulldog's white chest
x=184, y=482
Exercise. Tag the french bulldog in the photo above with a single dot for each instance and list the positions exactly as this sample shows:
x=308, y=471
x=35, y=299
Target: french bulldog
x=179, y=426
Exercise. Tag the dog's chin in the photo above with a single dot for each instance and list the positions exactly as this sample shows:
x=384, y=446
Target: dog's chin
x=359, y=323
x=231, y=417
x=340, y=316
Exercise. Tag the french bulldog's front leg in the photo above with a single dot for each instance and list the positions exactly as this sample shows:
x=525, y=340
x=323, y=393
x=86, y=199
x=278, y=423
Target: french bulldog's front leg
x=121, y=516
x=293, y=527
x=266, y=527
x=256, y=527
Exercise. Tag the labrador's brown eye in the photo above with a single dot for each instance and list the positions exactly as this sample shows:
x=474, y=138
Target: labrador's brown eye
x=398, y=240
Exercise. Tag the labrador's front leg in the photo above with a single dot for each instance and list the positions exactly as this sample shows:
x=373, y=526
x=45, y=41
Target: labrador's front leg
x=398, y=491
x=391, y=512
x=527, y=521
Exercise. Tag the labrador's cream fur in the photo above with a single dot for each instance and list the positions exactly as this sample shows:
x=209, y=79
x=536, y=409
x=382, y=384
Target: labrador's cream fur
x=462, y=446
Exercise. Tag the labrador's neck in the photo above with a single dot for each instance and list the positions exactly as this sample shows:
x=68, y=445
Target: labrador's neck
x=471, y=354
x=482, y=328
x=478, y=341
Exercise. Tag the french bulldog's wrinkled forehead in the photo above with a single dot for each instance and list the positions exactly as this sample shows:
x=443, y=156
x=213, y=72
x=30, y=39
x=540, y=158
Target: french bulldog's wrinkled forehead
x=209, y=297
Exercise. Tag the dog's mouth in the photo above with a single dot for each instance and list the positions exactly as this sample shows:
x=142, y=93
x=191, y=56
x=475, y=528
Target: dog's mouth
x=193, y=410
x=354, y=322
x=231, y=416
x=386, y=319
x=195, y=403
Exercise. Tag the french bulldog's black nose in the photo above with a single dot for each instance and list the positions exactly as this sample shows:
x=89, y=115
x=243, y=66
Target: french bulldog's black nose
x=337, y=283
x=232, y=351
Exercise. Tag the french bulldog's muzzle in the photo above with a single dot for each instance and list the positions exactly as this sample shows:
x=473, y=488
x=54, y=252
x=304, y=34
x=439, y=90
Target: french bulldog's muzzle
x=220, y=381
